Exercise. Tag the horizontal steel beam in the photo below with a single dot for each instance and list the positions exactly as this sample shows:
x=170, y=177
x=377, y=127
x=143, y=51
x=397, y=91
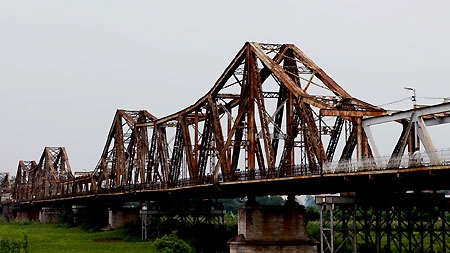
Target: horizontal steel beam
x=350, y=113
x=440, y=108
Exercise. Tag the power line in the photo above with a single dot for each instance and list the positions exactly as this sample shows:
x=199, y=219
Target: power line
x=397, y=101
x=407, y=98
x=435, y=98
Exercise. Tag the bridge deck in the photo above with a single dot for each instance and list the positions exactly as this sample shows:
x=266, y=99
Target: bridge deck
x=379, y=181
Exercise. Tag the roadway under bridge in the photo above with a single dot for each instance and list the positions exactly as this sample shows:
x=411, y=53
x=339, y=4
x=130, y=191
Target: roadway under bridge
x=273, y=123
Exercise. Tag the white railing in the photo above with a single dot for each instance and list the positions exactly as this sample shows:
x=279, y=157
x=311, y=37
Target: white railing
x=441, y=157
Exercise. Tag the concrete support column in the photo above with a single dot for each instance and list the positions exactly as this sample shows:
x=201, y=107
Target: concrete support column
x=272, y=229
x=49, y=215
x=117, y=217
x=7, y=213
x=27, y=215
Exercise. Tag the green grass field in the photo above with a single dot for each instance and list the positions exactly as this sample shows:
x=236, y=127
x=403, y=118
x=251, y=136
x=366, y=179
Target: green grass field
x=56, y=238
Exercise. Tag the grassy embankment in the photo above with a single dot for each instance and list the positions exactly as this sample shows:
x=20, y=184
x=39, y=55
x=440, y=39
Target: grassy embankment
x=56, y=238
x=50, y=238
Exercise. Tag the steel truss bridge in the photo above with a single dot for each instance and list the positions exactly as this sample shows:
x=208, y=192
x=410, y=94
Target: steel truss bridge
x=273, y=123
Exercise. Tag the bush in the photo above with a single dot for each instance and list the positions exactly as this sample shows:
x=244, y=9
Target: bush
x=131, y=232
x=231, y=218
x=171, y=243
x=208, y=237
x=66, y=219
x=9, y=245
x=314, y=229
x=312, y=214
x=270, y=200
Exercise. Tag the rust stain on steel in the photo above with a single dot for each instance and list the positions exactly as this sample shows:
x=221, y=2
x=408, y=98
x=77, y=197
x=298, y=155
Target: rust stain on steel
x=350, y=113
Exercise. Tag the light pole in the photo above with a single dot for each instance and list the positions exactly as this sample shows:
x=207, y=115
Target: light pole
x=413, y=98
x=145, y=221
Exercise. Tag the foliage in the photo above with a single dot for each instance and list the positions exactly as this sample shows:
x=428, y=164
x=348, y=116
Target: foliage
x=314, y=229
x=9, y=245
x=19, y=222
x=94, y=221
x=270, y=200
x=172, y=244
x=209, y=237
x=131, y=231
x=12, y=181
x=312, y=214
x=203, y=237
x=231, y=218
x=67, y=218
x=232, y=205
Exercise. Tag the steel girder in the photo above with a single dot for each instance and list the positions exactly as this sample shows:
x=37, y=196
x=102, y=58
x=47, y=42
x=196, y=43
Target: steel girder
x=416, y=222
x=415, y=123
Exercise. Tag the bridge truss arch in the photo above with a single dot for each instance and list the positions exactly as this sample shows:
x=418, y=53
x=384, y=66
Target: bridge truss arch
x=273, y=113
x=263, y=118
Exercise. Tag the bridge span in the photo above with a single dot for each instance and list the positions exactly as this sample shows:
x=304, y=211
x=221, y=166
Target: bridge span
x=273, y=123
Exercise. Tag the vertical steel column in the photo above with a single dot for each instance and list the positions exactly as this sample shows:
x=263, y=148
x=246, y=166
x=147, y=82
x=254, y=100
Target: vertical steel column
x=329, y=236
x=321, y=228
x=331, y=228
x=249, y=62
x=354, y=230
x=359, y=141
x=145, y=221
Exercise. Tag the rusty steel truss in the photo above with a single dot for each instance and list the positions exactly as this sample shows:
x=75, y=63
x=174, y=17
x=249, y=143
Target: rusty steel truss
x=272, y=113
x=45, y=178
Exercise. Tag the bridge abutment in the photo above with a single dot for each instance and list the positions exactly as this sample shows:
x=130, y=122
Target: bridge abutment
x=272, y=229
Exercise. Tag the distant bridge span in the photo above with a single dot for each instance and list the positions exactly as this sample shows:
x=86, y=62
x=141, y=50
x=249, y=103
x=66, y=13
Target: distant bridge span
x=273, y=123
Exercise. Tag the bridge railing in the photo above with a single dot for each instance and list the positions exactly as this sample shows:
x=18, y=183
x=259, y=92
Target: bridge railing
x=438, y=158
x=424, y=159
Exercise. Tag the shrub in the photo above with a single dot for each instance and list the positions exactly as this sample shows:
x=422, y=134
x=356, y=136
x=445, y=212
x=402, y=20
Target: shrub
x=312, y=214
x=171, y=243
x=314, y=229
x=9, y=245
x=131, y=232
x=208, y=237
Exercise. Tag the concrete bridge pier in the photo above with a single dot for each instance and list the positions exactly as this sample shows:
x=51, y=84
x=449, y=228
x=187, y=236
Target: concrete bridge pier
x=27, y=215
x=118, y=216
x=49, y=215
x=42, y=214
x=105, y=215
x=7, y=212
x=273, y=229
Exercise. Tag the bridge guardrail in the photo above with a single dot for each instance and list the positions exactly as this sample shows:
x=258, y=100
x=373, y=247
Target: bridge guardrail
x=424, y=159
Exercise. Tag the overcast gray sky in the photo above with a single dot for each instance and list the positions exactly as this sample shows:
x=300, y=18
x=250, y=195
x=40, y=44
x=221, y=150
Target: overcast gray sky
x=66, y=66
